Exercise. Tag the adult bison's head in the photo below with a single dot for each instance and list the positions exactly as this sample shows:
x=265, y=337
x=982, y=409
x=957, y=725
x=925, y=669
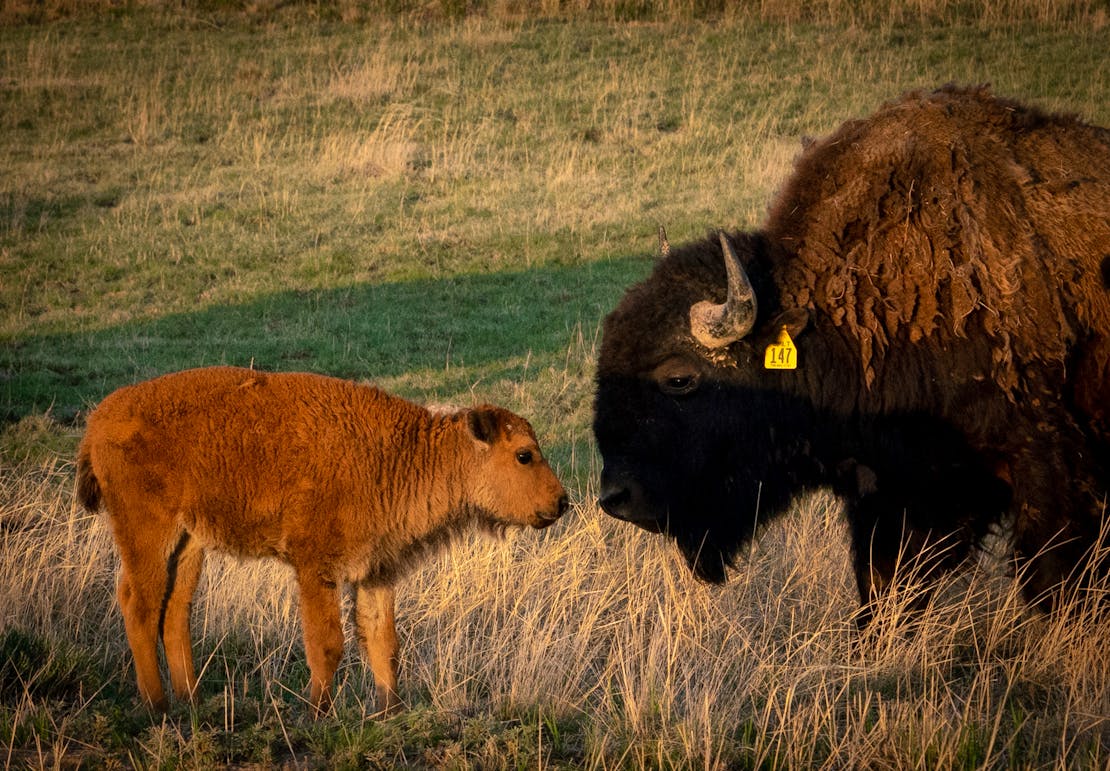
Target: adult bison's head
x=694, y=434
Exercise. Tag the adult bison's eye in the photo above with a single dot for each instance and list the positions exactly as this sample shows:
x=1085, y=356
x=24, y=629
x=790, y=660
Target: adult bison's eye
x=677, y=376
x=524, y=457
x=679, y=384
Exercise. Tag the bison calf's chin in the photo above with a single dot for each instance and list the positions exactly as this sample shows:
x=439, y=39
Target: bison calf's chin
x=343, y=482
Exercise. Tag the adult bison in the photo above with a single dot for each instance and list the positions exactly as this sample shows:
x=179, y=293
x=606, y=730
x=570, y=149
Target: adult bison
x=942, y=270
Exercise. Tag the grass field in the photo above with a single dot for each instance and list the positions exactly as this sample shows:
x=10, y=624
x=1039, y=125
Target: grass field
x=446, y=200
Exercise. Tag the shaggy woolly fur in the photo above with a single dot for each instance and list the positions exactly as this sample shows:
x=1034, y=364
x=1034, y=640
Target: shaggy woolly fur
x=950, y=205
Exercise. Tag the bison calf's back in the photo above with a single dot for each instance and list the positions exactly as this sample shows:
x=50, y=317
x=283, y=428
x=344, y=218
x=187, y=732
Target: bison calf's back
x=343, y=482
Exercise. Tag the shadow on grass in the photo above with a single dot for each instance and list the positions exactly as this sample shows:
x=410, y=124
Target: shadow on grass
x=489, y=322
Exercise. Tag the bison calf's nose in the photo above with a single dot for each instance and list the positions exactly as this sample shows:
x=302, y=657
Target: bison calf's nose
x=545, y=519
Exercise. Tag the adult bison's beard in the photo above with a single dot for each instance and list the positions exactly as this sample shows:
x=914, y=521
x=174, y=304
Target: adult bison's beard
x=705, y=556
x=716, y=523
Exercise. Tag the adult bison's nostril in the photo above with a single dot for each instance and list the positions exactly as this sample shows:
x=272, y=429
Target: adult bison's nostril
x=564, y=504
x=622, y=498
x=613, y=499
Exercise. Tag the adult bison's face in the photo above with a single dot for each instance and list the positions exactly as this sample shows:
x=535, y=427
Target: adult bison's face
x=677, y=382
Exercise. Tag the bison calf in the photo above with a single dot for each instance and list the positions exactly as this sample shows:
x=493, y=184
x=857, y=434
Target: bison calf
x=343, y=482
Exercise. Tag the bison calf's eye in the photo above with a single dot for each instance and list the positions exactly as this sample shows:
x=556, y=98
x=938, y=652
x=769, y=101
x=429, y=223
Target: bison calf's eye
x=525, y=457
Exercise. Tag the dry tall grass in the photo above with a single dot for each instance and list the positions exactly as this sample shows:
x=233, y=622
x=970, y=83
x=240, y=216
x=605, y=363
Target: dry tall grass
x=601, y=631
x=840, y=12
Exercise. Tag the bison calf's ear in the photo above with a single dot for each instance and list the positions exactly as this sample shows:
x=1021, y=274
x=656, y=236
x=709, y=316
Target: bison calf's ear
x=485, y=424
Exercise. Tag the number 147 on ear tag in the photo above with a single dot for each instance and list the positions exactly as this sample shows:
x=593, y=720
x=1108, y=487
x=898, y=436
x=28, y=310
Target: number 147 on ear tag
x=781, y=354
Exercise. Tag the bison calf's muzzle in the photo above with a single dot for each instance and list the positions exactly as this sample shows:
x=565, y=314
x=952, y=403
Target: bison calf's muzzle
x=546, y=519
x=343, y=482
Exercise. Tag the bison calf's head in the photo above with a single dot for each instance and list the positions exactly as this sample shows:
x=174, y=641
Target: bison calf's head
x=513, y=484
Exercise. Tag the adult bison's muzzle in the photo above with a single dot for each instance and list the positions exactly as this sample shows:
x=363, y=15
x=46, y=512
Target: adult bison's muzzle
x=622, y=498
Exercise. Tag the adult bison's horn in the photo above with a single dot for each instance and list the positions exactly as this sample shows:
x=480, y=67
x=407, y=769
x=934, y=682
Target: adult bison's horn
x=715, y=326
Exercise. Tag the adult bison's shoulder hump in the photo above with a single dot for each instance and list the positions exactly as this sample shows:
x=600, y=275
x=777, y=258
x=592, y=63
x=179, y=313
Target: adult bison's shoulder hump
x=949, y=211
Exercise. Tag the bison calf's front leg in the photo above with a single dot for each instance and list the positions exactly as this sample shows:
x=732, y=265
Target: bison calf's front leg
x=378, y=634
x=323, y=635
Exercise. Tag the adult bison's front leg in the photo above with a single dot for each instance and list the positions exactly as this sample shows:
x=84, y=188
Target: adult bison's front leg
x=323, y=634
x=377, y=633
x=876, y=549
x=1060, y=536
x=890, y=551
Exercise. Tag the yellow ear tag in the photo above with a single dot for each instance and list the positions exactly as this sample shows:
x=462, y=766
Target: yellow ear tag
x=781, y=354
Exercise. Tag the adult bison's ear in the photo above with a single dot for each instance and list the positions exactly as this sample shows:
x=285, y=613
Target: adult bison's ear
x=796, y=321
x=484, y=424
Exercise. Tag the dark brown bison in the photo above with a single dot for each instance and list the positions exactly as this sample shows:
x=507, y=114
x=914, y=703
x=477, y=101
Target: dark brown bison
x=342, y=481
x=941, y=268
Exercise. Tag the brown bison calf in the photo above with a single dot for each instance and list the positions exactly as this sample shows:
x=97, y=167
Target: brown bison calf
x=343, y=482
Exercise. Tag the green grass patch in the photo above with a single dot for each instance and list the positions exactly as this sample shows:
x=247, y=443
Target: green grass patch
x=461, y=330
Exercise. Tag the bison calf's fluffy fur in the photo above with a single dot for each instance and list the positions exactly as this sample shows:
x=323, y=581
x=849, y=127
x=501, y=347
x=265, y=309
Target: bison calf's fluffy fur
x=343, y=482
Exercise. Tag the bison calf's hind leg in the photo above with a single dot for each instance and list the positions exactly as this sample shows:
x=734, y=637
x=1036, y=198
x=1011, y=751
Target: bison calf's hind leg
x=153, y=552
x=323, y=635
x=142, y=585
x=184, y=573
x=377, y=633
